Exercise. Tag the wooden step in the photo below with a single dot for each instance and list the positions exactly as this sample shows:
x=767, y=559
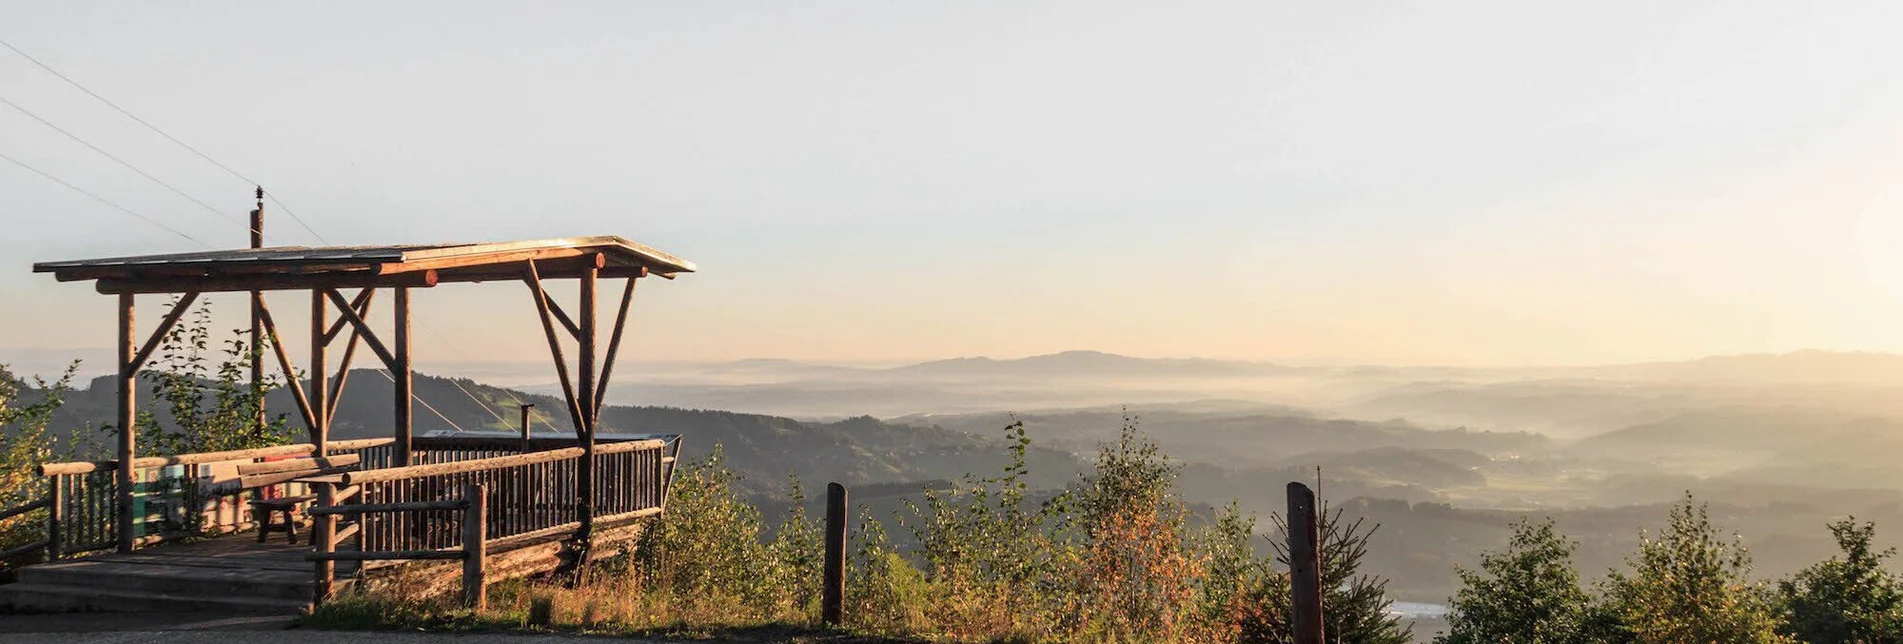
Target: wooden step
x=42, y=597
x=178, y=580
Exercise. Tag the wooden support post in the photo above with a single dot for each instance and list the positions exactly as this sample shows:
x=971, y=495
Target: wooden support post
x=525, y=426
x=55, y=517
x=833, y=593
x=319, y=370
x=324, y=541
x=614, y=346
x=257, y=323
x=362, y=306
x=128, y=382
x=1304, y=550
x=475, y=548
x=402, y=377
x=585, y=389
x=290, y=370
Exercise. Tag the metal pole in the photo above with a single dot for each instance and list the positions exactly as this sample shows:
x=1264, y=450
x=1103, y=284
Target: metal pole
x=833, y=593
x=1304, y=538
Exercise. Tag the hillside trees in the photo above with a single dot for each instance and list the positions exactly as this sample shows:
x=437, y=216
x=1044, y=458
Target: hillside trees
x=25, y=444
x=1689, y=585
x=1846, y=599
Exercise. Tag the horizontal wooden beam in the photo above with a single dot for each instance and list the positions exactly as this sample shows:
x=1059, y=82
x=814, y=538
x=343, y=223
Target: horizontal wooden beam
x=552, y=533
x=409, y=506
x=222, y=284
x=261, y=480
x=384, y=556
x=31, y=547
x=433, y=469
x=465, y=261
x=23, y=509
x=202, y=270
x=272, y=467
x=82, y=467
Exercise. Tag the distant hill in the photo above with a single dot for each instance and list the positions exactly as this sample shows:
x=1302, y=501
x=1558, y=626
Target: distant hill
x=764, y=449
x=1089, y=364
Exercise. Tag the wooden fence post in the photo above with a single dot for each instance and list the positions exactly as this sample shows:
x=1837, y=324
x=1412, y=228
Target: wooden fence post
x=475, y=550
x=833, y=594
x=324, y=540
x=1304, y=537
x=55, y=516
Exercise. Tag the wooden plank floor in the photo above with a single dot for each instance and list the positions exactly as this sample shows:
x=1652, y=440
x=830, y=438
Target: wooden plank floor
x=232, y=572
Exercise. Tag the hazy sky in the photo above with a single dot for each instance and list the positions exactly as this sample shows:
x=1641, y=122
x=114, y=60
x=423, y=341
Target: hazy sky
x=1446, y=182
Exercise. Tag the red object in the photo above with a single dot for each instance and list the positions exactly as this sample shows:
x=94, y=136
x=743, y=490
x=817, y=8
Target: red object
x=272, y=491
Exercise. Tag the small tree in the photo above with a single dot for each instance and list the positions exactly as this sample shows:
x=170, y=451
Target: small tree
x=1848, y=599
x=1355, y=606
x=1526, y=594
x=1138, y=568
x=1688, y=585
x=212, y=404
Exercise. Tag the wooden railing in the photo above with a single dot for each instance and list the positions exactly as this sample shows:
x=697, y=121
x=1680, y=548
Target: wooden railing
x=471, y=509
x=178, y=494
x=413, y=513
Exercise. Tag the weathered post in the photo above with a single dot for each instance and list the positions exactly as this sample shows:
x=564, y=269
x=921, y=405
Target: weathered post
x=833, y=594
x=1304, y=541
x=525, y=426
x=55, y=517
x=256, y=356
x=128, y=384
x=475, y=549
x=324, y=541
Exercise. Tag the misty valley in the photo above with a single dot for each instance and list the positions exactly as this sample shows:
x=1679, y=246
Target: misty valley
x=1442, y=459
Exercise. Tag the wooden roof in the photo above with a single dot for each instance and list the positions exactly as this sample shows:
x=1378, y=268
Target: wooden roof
x=299, y=267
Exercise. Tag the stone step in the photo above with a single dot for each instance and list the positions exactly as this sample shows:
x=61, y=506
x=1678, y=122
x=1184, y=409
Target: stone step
x=175, y=580
x=42, y=597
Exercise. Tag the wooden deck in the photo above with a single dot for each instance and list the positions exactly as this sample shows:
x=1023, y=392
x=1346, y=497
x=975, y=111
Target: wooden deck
x=233, y=573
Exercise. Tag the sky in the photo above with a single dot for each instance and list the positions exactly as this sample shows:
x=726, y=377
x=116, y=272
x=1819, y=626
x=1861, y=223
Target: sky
x=1457, y=183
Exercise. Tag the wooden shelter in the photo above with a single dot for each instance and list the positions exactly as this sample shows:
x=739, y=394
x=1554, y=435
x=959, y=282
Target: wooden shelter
x=520, y=493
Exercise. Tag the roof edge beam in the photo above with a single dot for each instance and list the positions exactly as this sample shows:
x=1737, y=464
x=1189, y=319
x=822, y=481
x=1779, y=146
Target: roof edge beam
x=224, y=284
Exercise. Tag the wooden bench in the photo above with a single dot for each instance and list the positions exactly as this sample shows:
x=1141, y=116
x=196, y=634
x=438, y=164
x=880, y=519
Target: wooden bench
x=269, y=473
x=287, y=506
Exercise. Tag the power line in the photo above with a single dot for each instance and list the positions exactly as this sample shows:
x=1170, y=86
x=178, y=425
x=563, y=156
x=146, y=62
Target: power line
x=117, y=160
x=229, y=170
x=103, y=200
x=154, y=128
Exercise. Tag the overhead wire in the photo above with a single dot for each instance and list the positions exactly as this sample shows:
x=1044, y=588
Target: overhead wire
x=233, y=172
x=116, y=159
x=168, y=136
x=103, y=200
